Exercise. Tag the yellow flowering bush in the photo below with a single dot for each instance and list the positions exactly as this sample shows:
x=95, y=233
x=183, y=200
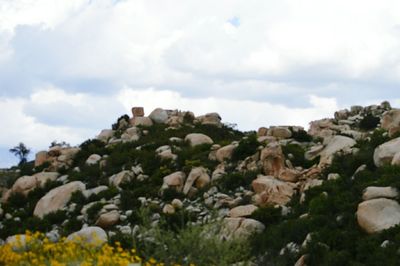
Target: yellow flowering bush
x=36, y=249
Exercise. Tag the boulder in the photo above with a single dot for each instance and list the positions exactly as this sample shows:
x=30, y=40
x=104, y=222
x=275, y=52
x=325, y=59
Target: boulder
x=272, y=159
x=105, y=135
x=131, y=134
x=175, y=180
x=380, y=192
x=159, y=116
x=336, y=144
x=391, y=121
x=93, y=235
x=137, y=111
x=168, y=209
x=210, y=119
x=313, y=152
x=396, y=159
x=197, y=176
x=262, y=132
x=141, y=121
x=243, y=211
x=93, y=159
x=280, y=132
x=289, y=175
x=108, y=219
x=57, y=198
x=384, y=153
x=177, y=204
x=376, y=215
x=195, y=139
x=41, y=157
x=225, y=153
x=25, y=184
x=271, y=191
x=241, y=227
x=123, y=176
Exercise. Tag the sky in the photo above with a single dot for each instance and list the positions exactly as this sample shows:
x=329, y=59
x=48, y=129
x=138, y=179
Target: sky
x=69, y=68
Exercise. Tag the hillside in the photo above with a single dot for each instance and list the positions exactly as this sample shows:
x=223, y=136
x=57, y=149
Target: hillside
x=185, y=189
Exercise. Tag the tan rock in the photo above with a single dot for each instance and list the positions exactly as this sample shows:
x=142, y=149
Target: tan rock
x=168, y=209
x=241, y=227
x=195, y=139
x=271, y=191
x=243, y=211
x=225, y=153
x=197, y=176
x=41, y=157
x=108, y=219
x=105, y=135
x=26, y=184
x=177, y=204
x=137, y=111
x=93, y=235
x=280, y=132
x=141, y=121
x=262, y=132
x=336, y=144
x=210, y=119
x=380, y=192
x=272, y=159
x=93, y=159
x=396, y=159
x=57, y=198
x=376, y=215
x=391, y=121
x=121, y=177
x=175, y=180
x=385, y=153
x=289, y=175
x=159, y=116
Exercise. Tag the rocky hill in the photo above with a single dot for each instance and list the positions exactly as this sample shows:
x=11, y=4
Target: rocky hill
x=187, y=189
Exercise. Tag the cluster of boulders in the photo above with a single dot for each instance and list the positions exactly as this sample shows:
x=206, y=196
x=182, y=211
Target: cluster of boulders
x=279, y=180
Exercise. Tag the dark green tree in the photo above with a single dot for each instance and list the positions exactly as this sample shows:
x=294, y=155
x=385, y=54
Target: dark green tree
x=21, y=151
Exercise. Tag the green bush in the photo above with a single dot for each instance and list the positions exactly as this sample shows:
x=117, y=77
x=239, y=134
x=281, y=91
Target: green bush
x=232, y=181
x=247, y=146
x=301, y=135
x=369, y=122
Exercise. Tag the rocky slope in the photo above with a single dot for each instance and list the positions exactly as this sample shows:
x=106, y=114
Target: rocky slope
x=328, y=196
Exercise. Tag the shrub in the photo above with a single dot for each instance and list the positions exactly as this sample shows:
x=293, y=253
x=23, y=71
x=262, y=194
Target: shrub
x=247, y=146
x=369, y=122
x=301, y=135
x=232, y=181
x=94, y=210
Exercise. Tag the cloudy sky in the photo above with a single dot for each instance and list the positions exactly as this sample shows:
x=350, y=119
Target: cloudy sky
x=69, y=68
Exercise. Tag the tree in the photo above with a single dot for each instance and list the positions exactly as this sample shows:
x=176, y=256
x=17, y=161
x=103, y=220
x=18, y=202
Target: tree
x=21, y=151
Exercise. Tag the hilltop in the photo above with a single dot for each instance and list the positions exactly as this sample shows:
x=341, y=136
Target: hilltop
x=191, y=189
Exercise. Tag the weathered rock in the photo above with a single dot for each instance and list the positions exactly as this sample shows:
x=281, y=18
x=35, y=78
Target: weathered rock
x=197, y=176
x=26, y=184
x=396, y=159
x=93, y=159
x=313, y=152
x=195, y=139
x=168, y=209
x=336, y=144
x=105, y=135
x=380, y=192
x=121, y=177
x=384, y=153
x=391, y=121
x=289, y=175
x=262, y=132
x=243, y=211
x=272, y=191
x=41, y=157
x=137, y=111
x=280, y=132
x=177, y=204
x=93, y=235
x=225, y=153
x=272, y=159
x=376, y=215
x=241, y=227
x=141, y=121
x=175, y=180
x=159, y=116
x=210, y=119
x=57, y=198
x=108, y=219
x=131, y=134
